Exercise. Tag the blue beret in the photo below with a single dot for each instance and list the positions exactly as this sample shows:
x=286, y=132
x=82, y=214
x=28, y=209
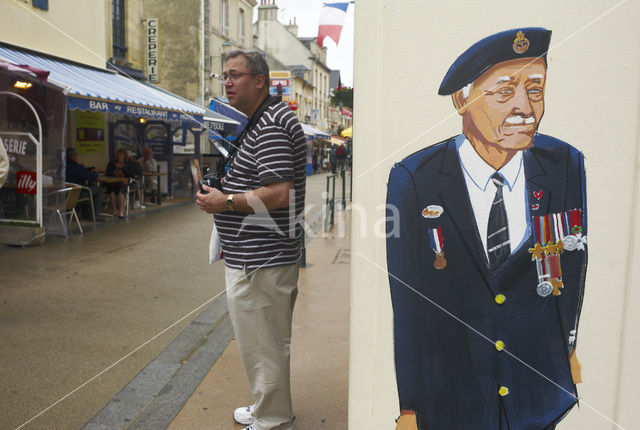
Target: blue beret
x=503, y=46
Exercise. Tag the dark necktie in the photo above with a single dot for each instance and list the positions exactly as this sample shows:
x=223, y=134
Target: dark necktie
x=498, y=246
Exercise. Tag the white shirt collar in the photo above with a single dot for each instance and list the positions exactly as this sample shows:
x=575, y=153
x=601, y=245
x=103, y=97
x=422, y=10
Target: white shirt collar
x=480, y=172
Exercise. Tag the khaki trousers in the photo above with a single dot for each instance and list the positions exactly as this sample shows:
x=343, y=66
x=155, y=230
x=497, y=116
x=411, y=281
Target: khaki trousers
x=261, y=305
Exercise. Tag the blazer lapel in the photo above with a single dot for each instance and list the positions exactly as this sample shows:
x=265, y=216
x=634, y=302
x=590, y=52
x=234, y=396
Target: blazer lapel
x=539, y=192
x=538, y=186
x=455, y=198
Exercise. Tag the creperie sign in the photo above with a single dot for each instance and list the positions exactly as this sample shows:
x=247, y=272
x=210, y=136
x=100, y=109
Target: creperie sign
x=153, y=65
x=26, y=182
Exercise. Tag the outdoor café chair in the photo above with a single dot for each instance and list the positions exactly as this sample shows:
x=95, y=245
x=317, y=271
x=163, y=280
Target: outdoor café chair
x=70, y=202
x=132, y=187
x=84, y=199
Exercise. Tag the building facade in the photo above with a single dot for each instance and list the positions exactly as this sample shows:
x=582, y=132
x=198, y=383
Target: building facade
x=83, y=24
x=282, y=42
x=161, y=41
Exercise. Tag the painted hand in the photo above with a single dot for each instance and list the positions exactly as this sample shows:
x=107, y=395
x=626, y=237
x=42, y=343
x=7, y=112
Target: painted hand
x=407, y=422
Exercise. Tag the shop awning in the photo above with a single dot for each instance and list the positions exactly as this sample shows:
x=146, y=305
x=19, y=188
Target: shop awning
x=216, y=122
x=314, y=132
x=90, y=88
x=337, y=140
x=221, y=106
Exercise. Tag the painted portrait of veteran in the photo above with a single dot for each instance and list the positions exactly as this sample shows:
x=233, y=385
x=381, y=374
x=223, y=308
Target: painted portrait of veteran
x=488, y=263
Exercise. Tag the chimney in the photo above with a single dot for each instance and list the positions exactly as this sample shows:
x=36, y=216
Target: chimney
x=293, y=28
x=267, y=11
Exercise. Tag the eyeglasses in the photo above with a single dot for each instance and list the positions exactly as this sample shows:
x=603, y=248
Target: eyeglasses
x=233, y=76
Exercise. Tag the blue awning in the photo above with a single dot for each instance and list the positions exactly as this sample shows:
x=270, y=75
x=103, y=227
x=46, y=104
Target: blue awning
x=218, y=105
x=90, y=88
x=216, y=122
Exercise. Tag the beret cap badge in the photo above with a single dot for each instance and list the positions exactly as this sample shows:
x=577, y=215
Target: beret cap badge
x=521, y=43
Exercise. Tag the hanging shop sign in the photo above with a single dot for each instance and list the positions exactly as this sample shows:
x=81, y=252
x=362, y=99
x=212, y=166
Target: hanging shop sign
x=153, y=63
x=280, y=83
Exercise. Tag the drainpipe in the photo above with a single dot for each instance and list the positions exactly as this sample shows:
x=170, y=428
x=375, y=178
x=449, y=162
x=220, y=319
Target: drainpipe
x=202, y=52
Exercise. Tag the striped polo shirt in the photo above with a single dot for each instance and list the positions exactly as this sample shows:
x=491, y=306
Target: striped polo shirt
x=273, y=151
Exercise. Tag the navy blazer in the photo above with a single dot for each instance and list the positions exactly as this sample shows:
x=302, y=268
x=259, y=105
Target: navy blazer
x=446, y=321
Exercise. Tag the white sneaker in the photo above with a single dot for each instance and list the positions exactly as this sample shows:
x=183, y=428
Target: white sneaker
x=251, y=427
x=243, y=416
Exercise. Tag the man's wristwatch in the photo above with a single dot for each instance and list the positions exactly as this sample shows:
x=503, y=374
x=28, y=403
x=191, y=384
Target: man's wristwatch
x=230, y=202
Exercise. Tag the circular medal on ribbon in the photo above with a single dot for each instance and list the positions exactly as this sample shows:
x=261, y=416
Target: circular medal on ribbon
x=440, y=262
x=570, y=242
x=544, y=288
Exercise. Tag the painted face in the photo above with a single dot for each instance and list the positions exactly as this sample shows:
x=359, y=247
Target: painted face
x=241, y=87
x=506, y=103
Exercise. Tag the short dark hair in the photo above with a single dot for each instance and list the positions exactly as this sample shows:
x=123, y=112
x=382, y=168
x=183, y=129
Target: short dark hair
x=256, y=63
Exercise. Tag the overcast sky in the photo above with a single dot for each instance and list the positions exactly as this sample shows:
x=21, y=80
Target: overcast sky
x=307, y=14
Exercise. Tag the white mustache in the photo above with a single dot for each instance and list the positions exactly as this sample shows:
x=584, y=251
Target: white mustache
x=518, y=119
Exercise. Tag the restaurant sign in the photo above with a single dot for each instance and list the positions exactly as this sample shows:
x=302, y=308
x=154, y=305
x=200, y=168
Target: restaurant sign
x=129, y=109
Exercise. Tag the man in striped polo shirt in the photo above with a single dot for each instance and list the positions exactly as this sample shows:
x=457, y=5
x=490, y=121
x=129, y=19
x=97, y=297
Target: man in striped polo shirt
x=257, y=215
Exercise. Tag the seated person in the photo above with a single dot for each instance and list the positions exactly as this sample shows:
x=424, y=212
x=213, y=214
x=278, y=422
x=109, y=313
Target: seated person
x=76, y=173
x=117, y=168
x=149, y=165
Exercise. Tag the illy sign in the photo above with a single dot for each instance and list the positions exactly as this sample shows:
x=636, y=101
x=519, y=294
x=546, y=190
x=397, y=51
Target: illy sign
x=26, y=182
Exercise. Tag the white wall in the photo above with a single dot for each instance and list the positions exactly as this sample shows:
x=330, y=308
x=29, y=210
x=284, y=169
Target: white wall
x=66, y=30
x=403, y=49
x=275, y=39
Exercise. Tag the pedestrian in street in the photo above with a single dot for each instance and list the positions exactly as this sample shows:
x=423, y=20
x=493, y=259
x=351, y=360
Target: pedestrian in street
x=77, y=173
x=341, y=156
x=260, y=239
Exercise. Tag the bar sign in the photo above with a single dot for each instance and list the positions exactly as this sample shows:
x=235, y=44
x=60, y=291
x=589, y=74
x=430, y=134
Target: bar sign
x=153, y=65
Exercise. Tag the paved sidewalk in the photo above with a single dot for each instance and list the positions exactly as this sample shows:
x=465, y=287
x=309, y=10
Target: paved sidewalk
x=197, y=381
x=319, y=353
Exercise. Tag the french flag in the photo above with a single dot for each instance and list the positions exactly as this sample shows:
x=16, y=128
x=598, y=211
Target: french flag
x=331, y=21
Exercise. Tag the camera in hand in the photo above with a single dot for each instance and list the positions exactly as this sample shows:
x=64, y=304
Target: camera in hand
x=212, y=180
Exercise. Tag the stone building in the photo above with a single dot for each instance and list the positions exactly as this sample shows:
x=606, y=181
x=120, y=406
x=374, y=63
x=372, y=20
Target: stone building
x=140, y=31
x=282, y=42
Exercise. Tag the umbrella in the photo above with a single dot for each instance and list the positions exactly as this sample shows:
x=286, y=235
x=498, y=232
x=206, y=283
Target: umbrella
x=347, y=132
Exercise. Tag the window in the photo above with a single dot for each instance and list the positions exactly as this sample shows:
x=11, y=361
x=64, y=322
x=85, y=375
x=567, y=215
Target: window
x=41, y=4
x=224, y=17
x=119, y=44
x=241, y=27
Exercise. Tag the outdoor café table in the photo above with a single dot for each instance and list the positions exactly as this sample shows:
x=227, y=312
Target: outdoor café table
x=103, y=179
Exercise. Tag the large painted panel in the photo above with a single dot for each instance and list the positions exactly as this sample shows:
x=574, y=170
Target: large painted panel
x=486, y=296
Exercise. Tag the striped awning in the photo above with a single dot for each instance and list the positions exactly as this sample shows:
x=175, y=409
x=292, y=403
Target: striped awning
x=90, y=88
x=313, y=132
